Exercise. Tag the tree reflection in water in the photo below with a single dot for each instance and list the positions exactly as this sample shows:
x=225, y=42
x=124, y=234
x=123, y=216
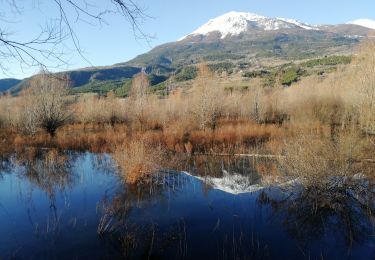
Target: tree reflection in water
x=128, y=222
x=5, y=165
x=133, y=218
x=141, y=237
x=179, y=215
x=50, y=171
x=344, y=210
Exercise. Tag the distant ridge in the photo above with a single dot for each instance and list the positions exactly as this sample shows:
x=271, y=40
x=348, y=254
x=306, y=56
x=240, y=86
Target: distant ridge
x=364, y=22
x=236, y=39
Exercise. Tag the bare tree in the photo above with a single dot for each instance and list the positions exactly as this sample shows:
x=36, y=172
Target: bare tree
x=138, y=96
x=27, y=120
x=207, y=99
x=45, y=104
x=48, y=47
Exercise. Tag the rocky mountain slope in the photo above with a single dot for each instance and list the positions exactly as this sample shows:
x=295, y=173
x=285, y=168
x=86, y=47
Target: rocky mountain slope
x=236, y=37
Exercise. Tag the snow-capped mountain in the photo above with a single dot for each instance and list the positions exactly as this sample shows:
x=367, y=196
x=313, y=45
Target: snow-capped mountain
x=364, y=22
x=235, y=23
x=236, y=37
x=230, y=183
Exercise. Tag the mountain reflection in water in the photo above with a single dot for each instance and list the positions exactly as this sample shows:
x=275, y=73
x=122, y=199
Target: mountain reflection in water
x=70, y=205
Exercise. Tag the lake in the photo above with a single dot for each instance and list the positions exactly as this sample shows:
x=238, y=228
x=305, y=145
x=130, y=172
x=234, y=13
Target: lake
x=214, y=209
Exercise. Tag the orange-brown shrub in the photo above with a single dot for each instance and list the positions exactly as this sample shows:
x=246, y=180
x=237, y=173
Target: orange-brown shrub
x=138, y=160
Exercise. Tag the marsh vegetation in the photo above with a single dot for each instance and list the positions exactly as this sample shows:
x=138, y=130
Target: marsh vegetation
x=200, y=164
x=333, y=112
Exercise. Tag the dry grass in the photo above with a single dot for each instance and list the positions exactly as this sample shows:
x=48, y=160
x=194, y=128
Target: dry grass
x=363, y=81
x=321, y=118
x=94, y=109
x=77, y=137
x=138, y=160
x=240, y=137
x=318, y=160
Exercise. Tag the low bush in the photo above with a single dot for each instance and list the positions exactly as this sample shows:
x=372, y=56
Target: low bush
x=321, y=161
x=139, y=159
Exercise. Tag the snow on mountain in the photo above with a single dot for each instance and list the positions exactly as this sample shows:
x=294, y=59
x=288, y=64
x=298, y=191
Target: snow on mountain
x=299, y=24
x=235, y=23
x=364, y=22
x=230, y=183
x=236, y=184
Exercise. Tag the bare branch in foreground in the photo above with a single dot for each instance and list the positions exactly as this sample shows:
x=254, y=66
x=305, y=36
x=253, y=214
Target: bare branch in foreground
x=53, y=44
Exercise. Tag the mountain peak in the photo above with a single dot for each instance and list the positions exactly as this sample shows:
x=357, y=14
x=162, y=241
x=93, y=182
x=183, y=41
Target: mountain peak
x=234, y=23
x=364, y=23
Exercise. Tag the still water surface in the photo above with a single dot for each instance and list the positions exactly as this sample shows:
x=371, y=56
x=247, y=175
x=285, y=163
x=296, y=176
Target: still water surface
x=83, y=210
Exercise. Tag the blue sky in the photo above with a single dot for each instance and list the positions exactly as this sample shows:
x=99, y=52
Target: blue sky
x=170, y=20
